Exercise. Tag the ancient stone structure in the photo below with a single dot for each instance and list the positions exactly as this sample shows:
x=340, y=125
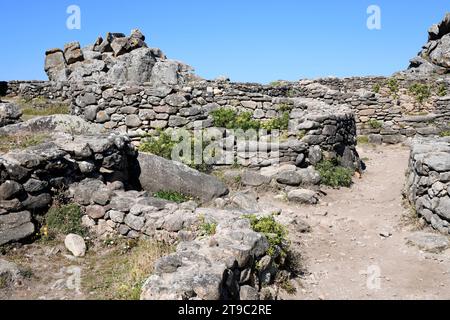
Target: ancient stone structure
x=435, y=55
x=428, y=181
x=383, y=116
x=115, y=59
x=30, y=178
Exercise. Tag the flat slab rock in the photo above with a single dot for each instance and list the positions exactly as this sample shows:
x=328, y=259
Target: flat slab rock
x=429, y=242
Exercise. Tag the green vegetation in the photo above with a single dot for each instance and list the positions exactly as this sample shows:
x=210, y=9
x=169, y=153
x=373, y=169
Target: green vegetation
x=334, y=175
x=161, y=145
x=46, y=111
x=275, y=233
x=376, y=88
x=230, y=119
x=21, y=141
x=442, y=91
x=280, y=123
x=420, y=91
x=63, y=219
x=375, y=124
x=363, y=139
x=120, y=272
x=392, y=84
x=285, y=107
x=172, y=196
x=445, y=133
x=245, y=122
x=206, y=228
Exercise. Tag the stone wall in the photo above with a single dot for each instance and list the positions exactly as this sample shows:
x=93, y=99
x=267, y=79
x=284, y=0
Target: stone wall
x=428, y=181
x=383, y=116
x=30, y=178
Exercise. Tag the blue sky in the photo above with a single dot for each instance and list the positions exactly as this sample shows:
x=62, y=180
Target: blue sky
x=246, y=40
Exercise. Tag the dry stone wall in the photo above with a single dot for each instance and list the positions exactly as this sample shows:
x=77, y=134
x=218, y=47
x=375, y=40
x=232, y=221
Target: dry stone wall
x=428, y=181
x=30, y=178
x=381, y=114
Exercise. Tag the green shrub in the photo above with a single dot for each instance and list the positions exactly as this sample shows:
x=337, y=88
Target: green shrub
x=64, y=219
x=172, y=196
x=375, y=124
x=442, y=91
x=224, y=118
x=334, y=175
x=445, y=133
x=230, y=119
x=246, y=122
x=205, y=228
x=275, y=233
x=280, y=123
x=161, y=145
x=392, y=84
x=421, y=91
x=376, y=88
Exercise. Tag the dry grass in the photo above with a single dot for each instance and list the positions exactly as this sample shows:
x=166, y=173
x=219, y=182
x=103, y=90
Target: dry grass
x=21, y=141
x=39, y=107
x=121, y=273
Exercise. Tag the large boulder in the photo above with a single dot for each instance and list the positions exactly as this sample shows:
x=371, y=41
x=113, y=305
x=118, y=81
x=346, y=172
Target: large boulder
x=158, y=174
x=435, y=55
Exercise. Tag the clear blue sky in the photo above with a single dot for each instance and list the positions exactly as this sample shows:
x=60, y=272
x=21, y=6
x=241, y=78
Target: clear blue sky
x=247, y=40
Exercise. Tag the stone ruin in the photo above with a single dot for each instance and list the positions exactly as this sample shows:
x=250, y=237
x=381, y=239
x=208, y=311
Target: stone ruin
x=435, y=54
x=120, y=91
x=428, y=181
x=115, y=59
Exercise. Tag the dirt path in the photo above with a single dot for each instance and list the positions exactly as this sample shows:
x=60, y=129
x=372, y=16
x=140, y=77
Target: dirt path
x=346, y=257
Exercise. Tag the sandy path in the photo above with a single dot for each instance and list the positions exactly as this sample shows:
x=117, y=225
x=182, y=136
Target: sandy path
x=345, y=256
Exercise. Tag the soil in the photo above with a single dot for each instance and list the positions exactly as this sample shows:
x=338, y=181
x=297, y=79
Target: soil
x=357, y=248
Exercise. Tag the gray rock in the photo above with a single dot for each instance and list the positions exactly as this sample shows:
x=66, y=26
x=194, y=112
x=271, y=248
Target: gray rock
x=133, y=121
x=315, y=155
x=73, y=53
x=9, y=114
x=254, y=179
x=248, y=293
x=55, y=66
x=438, y=161
x=116, y=216
x=95, y=211
x=176, y=100
x=303, y=196
x=290, y=178
x=41, y=201
x=157, y=174
x=134, y=222
x=15, y=227
x=429, y=241
x=76, y=245
x=9, y=189
x=443, y=209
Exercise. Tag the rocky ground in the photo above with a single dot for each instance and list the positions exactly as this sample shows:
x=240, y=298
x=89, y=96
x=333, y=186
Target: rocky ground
x=364, y=243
